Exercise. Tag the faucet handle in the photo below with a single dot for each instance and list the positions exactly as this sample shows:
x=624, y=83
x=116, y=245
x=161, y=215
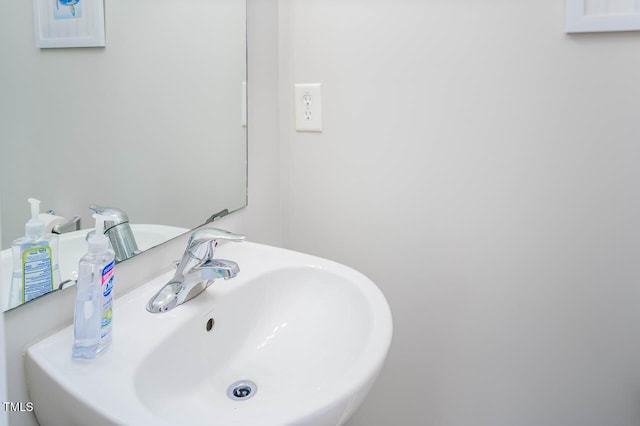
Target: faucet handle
x=69, y=226
x=210, y=237
x=214, y=234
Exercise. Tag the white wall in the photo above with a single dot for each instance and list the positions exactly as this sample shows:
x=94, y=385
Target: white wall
x=478, y=164
x=3, y=376
x=260, y=220
x=481, y=166
x=3, y=363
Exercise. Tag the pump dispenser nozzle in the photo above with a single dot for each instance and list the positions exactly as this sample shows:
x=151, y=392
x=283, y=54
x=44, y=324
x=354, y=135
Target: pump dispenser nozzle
x=35, y=207
x=98, y=241
x=34, y=228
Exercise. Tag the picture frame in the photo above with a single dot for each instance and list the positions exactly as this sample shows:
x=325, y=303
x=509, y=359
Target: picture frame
x=69, y=23
x=584, y=16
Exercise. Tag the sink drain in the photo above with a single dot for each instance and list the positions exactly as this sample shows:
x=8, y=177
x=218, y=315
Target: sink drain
x=241, y=390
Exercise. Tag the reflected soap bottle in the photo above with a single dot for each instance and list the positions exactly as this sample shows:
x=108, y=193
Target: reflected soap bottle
x=35, y=261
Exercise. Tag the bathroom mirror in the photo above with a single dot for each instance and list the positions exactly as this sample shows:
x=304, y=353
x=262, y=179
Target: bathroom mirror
x=153, y=124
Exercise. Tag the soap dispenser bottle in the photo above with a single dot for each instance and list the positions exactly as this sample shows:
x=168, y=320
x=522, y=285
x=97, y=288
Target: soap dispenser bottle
x=35, y=261
x=94, y=296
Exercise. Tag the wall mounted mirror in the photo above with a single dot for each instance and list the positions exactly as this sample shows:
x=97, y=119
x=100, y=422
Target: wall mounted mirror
x=153, y=124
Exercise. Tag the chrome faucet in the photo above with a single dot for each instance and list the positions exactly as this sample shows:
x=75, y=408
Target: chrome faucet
x=197, y=269
x=119, y=232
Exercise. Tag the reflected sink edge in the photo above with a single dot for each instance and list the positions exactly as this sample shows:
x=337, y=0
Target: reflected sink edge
x=72, y=246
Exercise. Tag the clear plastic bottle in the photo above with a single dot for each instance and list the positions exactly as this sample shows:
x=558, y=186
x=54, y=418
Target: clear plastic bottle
x=35, y=261
x=92, y=316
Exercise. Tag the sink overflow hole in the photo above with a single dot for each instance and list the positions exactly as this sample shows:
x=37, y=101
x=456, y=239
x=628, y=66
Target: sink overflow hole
x=210, y=324
x=241, y=390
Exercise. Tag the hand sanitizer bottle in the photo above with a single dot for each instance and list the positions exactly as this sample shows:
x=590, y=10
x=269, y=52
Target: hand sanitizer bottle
x=94, y=297
x=35, y=261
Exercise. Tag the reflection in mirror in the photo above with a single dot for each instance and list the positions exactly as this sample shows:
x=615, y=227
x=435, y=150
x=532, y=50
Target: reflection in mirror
x=153, y=124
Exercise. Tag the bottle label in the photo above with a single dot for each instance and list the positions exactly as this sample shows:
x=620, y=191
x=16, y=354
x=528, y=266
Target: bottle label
x=37, y=272
x=107, y=299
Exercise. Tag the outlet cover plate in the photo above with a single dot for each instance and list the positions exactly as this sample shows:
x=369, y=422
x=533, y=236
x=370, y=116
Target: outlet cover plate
x=308, y=107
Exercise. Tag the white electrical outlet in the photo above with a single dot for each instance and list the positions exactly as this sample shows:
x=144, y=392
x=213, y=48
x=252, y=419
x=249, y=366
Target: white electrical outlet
x=308, y=105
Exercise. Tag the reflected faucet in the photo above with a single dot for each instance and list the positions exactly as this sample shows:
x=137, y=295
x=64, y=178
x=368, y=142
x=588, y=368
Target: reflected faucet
x=197, y=269
x=71, y=225
x=118, y=231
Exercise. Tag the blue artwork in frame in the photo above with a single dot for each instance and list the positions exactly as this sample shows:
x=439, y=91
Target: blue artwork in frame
x=67, y=9
x=68, y=23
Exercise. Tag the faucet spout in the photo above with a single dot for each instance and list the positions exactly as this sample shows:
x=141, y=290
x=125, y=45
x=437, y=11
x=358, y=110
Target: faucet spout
x=118, y=231
x=219, y=268
x=197, y=270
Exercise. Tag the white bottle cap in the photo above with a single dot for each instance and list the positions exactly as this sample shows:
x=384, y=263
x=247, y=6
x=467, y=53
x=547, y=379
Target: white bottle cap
x=98, y=241
x=34, y=228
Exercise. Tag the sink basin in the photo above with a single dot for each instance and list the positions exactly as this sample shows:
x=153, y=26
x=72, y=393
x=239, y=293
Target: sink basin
x=72, y=246
x=298, y=338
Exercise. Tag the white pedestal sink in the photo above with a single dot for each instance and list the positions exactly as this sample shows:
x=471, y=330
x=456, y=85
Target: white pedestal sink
x=303, y=336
